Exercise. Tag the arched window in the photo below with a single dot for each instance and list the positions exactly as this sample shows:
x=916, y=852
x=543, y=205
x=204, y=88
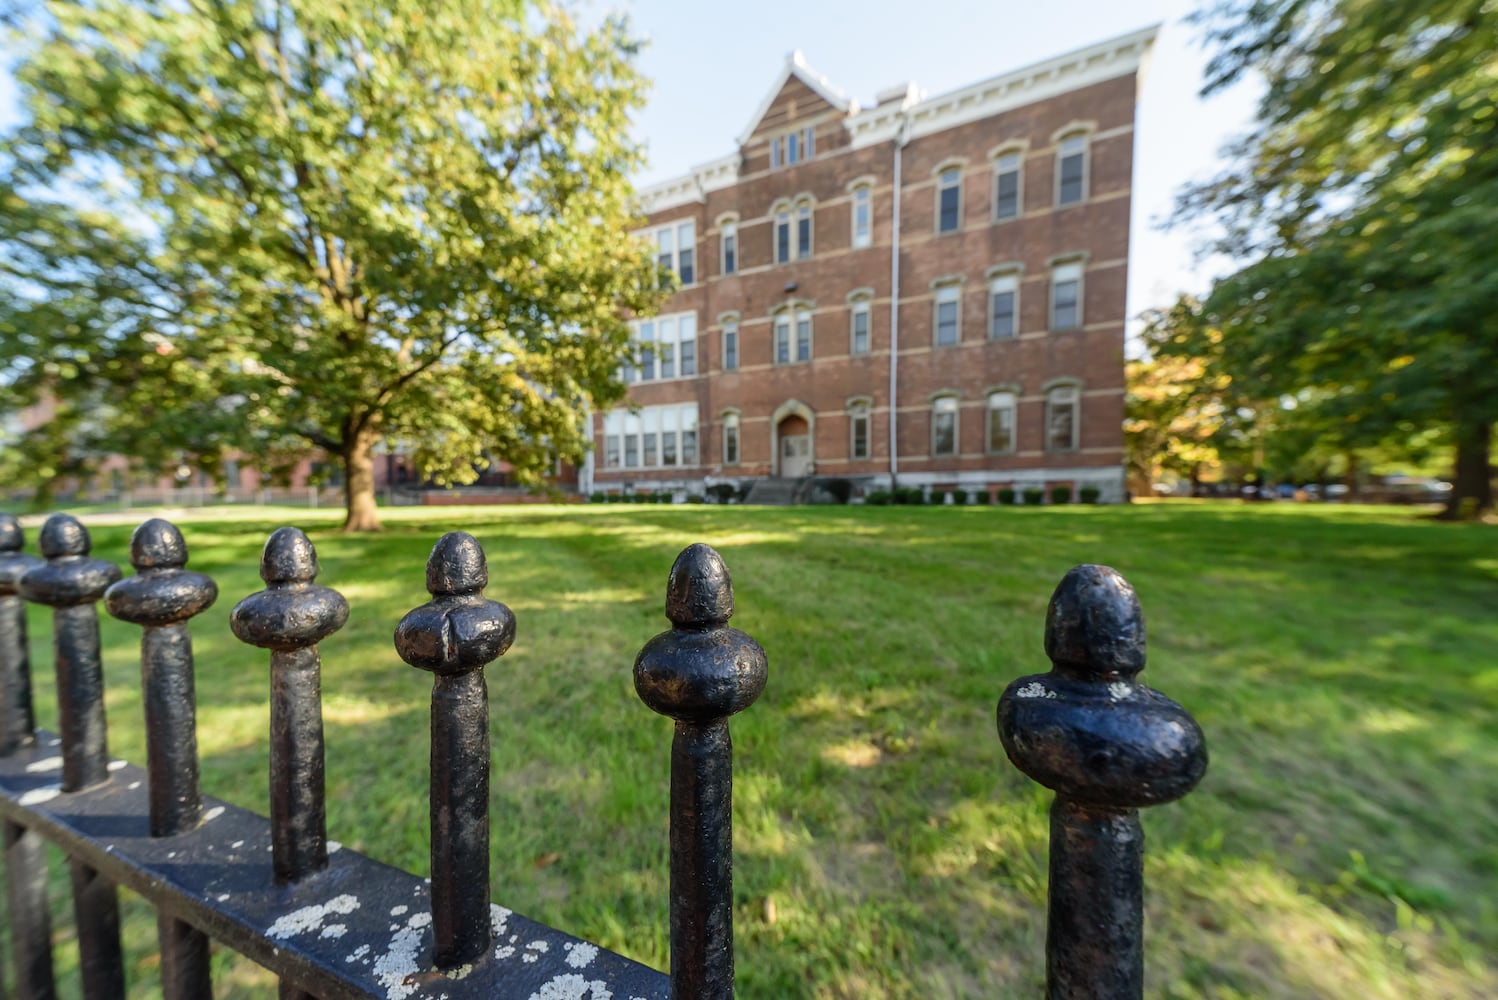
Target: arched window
x=949, y=199
x=803, y=228
x=782, y=232
x=730, y=437
x=1063, y=417
x=1000, y=431
x=944, y=425
x=728, y=244
x=860, y=321
x=1008, y=185
x=730, y=324
x=863, y=215
x=791, y=333
x=1066, y=295
x=859, y=429
x=1072, y=168
x=946, y=318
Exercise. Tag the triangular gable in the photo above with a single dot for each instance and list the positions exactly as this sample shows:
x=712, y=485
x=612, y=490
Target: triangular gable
x=795, y=68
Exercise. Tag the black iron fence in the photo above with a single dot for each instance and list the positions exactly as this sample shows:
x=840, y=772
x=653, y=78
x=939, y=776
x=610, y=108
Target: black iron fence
x=332, y=924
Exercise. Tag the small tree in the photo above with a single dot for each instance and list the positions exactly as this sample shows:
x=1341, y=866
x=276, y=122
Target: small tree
x=317, y=225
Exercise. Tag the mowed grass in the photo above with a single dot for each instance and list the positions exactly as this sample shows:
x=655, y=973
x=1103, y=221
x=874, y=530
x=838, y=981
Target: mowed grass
x=1340, y=660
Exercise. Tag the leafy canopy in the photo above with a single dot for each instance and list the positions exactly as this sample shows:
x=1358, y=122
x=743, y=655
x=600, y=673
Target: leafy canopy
x=287, y=223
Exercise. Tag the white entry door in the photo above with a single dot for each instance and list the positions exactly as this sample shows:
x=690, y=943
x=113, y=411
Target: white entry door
x=795, y=455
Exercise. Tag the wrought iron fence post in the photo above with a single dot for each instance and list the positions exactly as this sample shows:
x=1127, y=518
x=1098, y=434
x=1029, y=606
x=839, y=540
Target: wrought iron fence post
x=25, y=859
x=700, y=673
x=162, y=596
x=71, y=584
x=454, y=635
x=1107, y=746
x=290, y=617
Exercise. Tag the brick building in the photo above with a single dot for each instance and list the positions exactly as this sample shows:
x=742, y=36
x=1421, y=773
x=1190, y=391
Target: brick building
x=968, y=333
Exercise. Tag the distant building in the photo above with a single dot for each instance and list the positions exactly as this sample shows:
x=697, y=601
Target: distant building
x=968, y=333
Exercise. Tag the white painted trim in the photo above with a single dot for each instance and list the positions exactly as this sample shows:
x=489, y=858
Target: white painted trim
x=796, y=66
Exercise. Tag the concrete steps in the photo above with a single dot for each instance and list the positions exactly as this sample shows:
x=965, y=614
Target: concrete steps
x=773, y=492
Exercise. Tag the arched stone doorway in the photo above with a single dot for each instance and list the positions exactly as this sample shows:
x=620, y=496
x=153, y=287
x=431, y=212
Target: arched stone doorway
x=793, y=439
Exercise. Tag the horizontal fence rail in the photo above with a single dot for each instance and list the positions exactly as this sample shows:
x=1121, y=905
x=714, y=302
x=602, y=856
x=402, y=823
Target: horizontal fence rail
x=331, y=923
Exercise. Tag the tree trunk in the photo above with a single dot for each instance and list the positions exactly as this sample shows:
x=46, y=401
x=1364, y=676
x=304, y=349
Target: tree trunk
x=361, y=513
x=1472, y=486
x=1353, y=478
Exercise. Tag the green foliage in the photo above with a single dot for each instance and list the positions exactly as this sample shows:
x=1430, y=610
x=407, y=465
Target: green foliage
x=981, y=497
x=936, y=498
x=272, y=227
x=877, y=498
x=1033, y=497
x=1364, y=201
x=1060, y=494
x=597, y=496
x=1089, y=494
x=722, y=492
x=959, y=497
x=1007, y=495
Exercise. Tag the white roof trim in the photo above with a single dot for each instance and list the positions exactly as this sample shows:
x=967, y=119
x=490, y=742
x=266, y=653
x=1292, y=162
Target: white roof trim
x=1083, y=67
x=795, y=65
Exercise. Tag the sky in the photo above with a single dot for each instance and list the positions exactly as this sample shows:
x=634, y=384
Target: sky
x=712, y=63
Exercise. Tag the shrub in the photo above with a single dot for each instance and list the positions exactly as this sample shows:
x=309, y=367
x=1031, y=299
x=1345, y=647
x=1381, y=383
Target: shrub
x=1060, y=494
x=981, y=498
x=878, y=498
x=913, y=496
x=1033, y=497
x=696, y=498
x=1089, y=494
x=959, y=497
x=722, y=492
x=841, y=489
x=936, y=498
x=1006, y=495
x=664, y=497
x=597, y=496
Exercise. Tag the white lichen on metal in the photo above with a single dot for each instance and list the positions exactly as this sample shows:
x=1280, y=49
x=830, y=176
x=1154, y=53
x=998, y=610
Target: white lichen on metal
x=44, y=765
x=310, y=918
x=534, y=950
x=334, y=931
x=1119, y=690
x=499, y=919
x=571, y=986
x=213, y=814
x=334, y=847
x=117, y=765
x=580, y=954
x=358, y=953
x=37, y=796
x=399, y=911
x=1035, y=689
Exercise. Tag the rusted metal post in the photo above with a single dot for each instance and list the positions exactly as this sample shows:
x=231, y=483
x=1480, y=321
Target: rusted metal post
x=290, y=617
x=162, y=596
x=700, y=673
x=71, y=584
x=454, y=635
x=1107, y=746
x=25, y=859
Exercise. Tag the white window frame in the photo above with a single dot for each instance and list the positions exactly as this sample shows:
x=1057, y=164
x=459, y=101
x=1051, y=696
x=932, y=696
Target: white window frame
x=1064, y=393
x=805, y=211
x=955, y=171
x=728, y=232
x=1004, y=283
x=795, y=146
x=782, y=216
x=862, y=197
x=947, y=403
x=730, y=324
x=1007, y=161
x=732, y=429
x=1075, y=142
x=860, y=409
x=1001, y=400
x=860, y=303
x=946, y=292
x=1063, y=272
x=677, y=231
x=650, y=335
x=787, y=321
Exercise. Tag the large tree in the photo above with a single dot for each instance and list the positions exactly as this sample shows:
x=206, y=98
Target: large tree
x=286, y=225
x=1364, y=202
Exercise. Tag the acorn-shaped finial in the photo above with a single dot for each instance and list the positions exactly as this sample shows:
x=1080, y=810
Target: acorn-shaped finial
x=69, y=577
x=458, y=630
x=702, y=669
x=1086, y=729
x=13, y=562
x=291, y=612
x=162, y=591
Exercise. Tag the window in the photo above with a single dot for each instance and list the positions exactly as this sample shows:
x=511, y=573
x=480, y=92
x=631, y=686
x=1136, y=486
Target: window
x=1071, y=170
x=1003, y=306
x=858, y=427
x=667, y=347
x=948, y=303
x=731, y=345
x=863, y=216
x=675, y=249
x=1001, y=406
x=803, y=230
x=1066, y=296
x=730, y=439
x=1006, y=185
x=1061, y=405
x=786, y=323
x=730, y=240
x=858, y=326
x=944, y=426
x=793, y=147
x=948, y=199
x=655, y=436
x=782, y=235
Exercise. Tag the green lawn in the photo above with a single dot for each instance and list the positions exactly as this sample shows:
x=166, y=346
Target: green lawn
x=1341, y=661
